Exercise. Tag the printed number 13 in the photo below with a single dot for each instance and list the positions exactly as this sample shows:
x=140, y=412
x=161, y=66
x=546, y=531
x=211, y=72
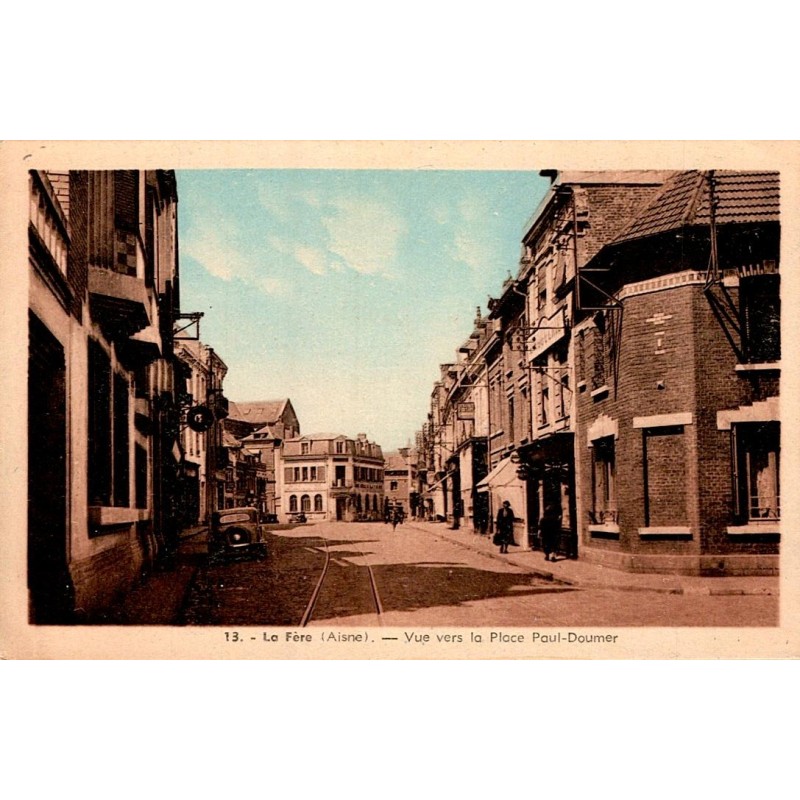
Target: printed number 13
x=231, y=636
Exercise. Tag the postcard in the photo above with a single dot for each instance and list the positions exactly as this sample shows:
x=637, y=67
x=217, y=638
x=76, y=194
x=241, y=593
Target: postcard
x=399, y=400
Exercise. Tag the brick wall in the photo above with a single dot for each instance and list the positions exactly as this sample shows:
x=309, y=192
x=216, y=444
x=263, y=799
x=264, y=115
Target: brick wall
x=717, y=389
x=60, y=183
x=673, y=357
x=666, y=487
x=610, y=209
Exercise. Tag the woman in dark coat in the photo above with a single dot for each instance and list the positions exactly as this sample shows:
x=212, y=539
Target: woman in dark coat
x=550, y=528
x=504, y=534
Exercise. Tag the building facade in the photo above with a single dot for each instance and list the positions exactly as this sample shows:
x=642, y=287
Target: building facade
x=103, y=419
x=261, y=427
x=399, y=476
x=203, y=372
x=627, y=378
x=579, y=214
x=678, y=434
x=329, y=476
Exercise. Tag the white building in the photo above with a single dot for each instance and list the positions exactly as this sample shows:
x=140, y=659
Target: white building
x=329, y=476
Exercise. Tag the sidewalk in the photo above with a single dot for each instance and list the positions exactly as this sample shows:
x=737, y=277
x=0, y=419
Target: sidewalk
x=159, y=598
x=586, y=575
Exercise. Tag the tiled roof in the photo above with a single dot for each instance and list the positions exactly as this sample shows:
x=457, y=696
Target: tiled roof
x=261, y=412
x=742, y=197
x=262, y=434
x=229, y=440
x=394, y=461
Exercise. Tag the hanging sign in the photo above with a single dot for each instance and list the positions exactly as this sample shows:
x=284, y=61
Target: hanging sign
x=199, y=418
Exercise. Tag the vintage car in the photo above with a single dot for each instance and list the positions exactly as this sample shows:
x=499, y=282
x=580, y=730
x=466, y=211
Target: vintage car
x=236, y=532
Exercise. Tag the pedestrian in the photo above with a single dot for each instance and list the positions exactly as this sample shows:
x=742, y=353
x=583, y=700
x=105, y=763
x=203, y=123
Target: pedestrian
x=550, y=529
x=395, y=518
x=504, y=532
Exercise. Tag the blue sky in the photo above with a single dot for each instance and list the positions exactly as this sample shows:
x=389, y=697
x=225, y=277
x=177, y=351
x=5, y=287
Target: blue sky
x=345, y=289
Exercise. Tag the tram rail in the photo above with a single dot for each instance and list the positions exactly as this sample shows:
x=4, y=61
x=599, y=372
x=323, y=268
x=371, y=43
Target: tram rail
x=312, y=603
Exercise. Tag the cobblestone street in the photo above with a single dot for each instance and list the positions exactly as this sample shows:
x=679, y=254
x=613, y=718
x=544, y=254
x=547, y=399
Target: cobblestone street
x=422, y=575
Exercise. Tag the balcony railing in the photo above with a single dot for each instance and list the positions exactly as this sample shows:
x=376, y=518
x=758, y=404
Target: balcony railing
x=765, y=507
x=604, y=516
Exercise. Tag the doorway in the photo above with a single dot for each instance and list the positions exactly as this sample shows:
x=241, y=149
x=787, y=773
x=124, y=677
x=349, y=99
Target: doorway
x=52, y=594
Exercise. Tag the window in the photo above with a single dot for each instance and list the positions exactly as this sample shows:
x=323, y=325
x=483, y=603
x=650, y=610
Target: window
x=141, y=476
x=604, y=489
x=100, y=461
x=305, y=448
x=293, y=503
x=317, y=502
x=109, y=441
x=761, y=314
x=121, y=446
x=545, y=396
x=313, y=473
x=297, y=474
x=756, y=464
x=392, y=486
x=564, y=405
x=511, y=435
x=305, y=473
x=340, y=447
x=599, y=348
x=305, y=503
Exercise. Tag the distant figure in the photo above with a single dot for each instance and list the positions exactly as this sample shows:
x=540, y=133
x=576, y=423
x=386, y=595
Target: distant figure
x=550, y=528
x=396, y=513
x=504, y=534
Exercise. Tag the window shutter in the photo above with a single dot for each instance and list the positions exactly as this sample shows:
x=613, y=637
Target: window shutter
x=287, y=475
x=321, y=474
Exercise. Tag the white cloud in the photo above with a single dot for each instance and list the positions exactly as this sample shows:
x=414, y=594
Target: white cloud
x=471, y=249
x=312, y=259
x=270, y=285
x=220, y=257
x=273, y=201
x=209, y=250
x=279, y=243
x=365, y=235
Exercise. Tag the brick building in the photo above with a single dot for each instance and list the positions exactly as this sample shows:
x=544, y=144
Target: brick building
x=677, y=350
x=580, y=213
x=103, y=419
x=631, y=372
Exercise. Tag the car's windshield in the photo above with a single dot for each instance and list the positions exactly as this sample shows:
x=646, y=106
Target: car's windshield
x=226, y=519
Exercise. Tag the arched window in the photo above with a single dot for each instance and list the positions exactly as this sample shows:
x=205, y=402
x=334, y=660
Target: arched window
x=293, y=503
x=305, y=503
x=317, y=502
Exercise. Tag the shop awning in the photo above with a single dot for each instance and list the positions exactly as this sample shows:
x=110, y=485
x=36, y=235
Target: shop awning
x=503, y=474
